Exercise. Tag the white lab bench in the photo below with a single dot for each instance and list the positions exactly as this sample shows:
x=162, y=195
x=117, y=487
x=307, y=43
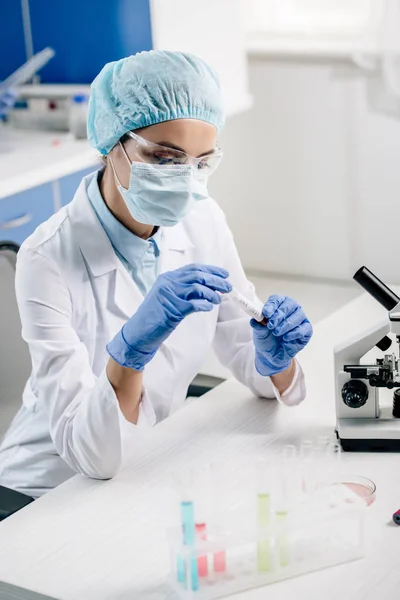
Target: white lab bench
x=105, y=540
x=39, y=173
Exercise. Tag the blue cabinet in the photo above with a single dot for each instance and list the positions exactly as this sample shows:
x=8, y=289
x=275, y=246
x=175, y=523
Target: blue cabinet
x=86, y=35
x=13, y=52
x=70, y=183
x=21, y=213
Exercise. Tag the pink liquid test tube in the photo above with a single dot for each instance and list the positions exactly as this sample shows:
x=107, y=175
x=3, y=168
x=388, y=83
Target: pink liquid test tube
x=221, y=478
x=202, y=561
x=219, y=562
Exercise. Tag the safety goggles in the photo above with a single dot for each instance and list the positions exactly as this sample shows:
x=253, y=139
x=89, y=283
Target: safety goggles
x=155, y=154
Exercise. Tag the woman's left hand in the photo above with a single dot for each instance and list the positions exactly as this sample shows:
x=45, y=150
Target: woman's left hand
x=286, y=333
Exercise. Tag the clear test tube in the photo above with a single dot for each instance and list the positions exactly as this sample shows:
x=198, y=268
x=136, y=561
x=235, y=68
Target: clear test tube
x=333, y=460
x=221, y=477
x=290, y=459
x=221, y=481
x=289, y=453
x=307, y=464
x=323, y=441
x=306, y=449
x=318, y=467
x=251, y=309
x=202, y=487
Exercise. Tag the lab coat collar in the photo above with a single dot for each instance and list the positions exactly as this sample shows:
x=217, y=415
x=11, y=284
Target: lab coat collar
x=94, y=242
x=89, y=234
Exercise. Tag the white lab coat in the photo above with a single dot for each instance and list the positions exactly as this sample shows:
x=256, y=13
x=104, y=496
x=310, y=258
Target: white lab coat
x=74, y=295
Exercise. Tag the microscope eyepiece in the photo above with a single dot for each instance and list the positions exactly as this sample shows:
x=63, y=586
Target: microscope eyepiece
x=376, y=288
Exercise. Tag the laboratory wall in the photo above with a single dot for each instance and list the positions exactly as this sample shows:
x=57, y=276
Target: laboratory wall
x=310, y=181
x=284, y=181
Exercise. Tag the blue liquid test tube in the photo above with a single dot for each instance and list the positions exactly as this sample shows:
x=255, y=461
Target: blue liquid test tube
x=181, y=569
x=189, y=536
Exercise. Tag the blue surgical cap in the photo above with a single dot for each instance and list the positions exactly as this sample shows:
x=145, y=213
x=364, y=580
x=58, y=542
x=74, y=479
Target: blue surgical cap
x=149, y=88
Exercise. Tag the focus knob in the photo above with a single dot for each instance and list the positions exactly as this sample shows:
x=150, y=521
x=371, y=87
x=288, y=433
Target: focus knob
x=355, y=393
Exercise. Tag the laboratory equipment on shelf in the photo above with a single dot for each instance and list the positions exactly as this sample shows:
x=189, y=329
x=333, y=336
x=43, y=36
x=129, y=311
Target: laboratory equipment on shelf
x=78, y=115
x=9, y=88
x=27, y=70
x=276, y=520
x=366, y=419
x=51, y=107
x=47, y=107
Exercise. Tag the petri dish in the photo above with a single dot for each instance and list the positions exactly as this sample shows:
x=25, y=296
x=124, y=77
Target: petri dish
x=361, y=486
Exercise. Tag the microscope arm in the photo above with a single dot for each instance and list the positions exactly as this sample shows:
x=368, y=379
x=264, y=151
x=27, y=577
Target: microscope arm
x=353, y=350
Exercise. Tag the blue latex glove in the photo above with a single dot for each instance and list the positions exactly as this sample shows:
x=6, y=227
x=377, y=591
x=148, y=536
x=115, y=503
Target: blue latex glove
x=174, y=296
x=287, y=332
x=7, y=101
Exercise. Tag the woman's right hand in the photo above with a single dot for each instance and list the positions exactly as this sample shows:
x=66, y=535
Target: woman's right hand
x=174, y=296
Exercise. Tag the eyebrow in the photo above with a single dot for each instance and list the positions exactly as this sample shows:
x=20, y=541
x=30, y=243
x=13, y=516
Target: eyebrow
x=174, y=147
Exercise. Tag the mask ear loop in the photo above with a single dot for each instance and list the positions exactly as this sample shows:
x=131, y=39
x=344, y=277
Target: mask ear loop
x=113, y=167
x=125, y=154
x=117, y=181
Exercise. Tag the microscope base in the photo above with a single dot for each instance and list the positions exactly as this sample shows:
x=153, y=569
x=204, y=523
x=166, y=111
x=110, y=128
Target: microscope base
x=369, y=435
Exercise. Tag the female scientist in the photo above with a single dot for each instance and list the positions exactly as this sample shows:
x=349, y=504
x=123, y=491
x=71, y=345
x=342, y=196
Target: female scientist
x=123, y=292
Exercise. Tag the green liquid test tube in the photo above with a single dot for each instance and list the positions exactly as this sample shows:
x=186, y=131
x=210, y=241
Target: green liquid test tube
x=264, y=519
x=282, y=541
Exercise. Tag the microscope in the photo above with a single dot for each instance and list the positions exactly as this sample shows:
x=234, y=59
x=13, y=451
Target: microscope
x=362, y=423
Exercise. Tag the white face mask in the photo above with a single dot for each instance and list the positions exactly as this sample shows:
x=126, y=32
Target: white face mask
x=159, y=195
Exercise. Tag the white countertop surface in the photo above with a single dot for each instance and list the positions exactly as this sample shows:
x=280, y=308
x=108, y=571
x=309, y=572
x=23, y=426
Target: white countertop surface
x=31, y=158
x=96, y=540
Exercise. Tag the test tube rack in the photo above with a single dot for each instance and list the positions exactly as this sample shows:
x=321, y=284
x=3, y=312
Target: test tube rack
x=273, y=539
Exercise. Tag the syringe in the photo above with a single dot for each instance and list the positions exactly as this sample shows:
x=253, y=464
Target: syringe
x=248, y=307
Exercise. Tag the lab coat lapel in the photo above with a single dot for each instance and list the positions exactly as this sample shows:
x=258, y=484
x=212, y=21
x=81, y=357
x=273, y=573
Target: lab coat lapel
x=123, y=295
x=176, y=248
x=127, y=296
